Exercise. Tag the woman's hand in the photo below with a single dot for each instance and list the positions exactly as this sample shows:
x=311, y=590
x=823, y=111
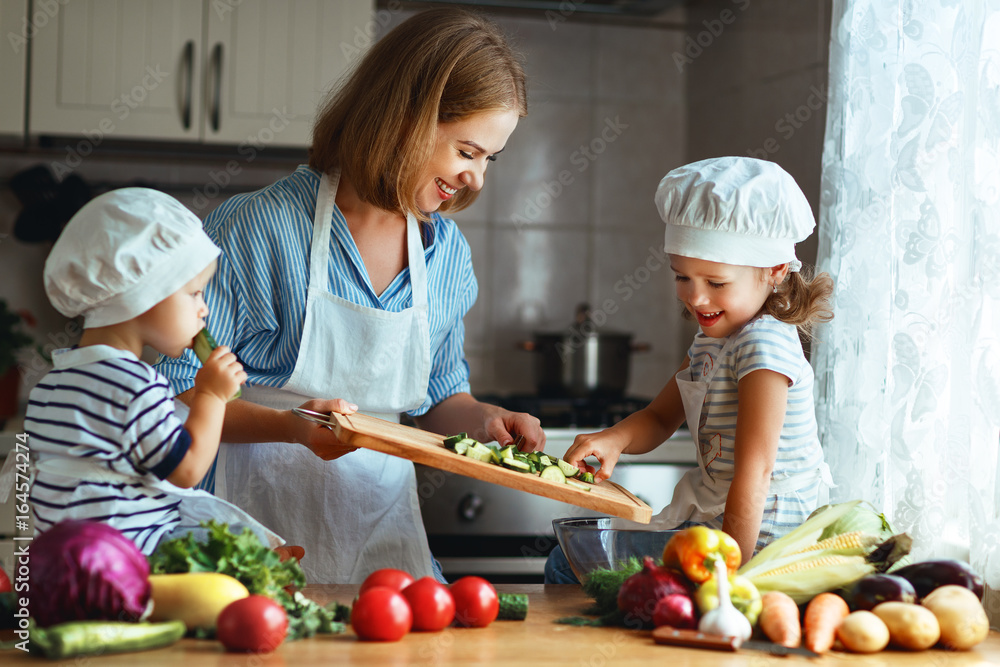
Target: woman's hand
x=485, y=422
x=321, y=439
x=504, y=426
x=606, y=446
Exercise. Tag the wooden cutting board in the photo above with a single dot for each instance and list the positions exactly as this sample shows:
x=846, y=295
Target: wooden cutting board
x=428, y=449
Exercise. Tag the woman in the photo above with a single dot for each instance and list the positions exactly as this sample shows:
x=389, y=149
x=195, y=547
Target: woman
x=329, y=287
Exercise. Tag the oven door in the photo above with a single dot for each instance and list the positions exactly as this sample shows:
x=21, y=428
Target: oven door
x=505, y=535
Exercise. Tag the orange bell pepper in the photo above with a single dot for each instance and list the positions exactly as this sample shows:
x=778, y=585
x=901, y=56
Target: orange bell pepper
x=694, y=550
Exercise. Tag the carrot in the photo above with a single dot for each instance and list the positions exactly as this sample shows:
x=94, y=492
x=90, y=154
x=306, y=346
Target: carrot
x=779, y=619
x=823, y=614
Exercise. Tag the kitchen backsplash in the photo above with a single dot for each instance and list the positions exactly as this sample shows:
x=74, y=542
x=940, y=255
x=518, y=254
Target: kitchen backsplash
x=567, y=214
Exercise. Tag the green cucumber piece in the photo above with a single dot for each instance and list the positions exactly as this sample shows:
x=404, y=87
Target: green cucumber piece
x=507, y=452
x=567, y=468
x=203, y=346
x=578, y=485
x=545, y=461
x=513, y=606
x=79, y=638
x=480, y=452
x=461, y=448
x=518, y=466
x=553, y=473
x=587, y=477
x=453, y=440
x=494, y=454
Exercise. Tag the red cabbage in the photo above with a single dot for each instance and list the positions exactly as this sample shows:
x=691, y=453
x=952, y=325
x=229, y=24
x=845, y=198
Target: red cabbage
x=87, y=570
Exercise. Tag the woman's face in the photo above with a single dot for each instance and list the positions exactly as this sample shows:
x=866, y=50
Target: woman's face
x=462, y=151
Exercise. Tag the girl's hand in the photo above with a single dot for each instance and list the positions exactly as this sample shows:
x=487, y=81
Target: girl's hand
x=221, y=375
x=606, y=446
x=321, y=440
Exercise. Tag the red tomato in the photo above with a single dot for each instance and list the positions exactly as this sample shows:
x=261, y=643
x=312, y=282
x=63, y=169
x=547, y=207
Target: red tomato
x=381, y=614
x=255, y=623
x=397, y=580
x=431, y=603
x=476, y=602
x=4, y=582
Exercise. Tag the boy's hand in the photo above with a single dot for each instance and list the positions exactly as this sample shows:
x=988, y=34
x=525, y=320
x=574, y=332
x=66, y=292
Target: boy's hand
x=604, y=446
x=221, y=375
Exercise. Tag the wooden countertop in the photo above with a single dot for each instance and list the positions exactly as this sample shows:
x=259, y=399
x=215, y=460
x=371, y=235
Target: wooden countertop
x=535, y=641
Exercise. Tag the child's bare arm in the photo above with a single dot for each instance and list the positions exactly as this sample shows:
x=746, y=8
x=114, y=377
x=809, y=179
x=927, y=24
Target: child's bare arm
x=638, y=433
x=763, y=398
x=214, y=384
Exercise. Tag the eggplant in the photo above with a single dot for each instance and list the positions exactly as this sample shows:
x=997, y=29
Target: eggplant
x=931, y=574
x=878, y=588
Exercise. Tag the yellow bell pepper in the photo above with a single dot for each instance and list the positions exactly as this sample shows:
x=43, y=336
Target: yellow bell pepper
x=695, y=550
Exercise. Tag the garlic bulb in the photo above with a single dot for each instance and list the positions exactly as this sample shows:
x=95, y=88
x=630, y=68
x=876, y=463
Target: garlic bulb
x=725, y=620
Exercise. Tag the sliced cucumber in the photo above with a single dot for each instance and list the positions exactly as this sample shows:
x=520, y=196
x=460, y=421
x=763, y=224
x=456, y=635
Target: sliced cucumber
x=553, y=473
x=461, y=447
x=545, y=461
x=519, y=466
x=513, y=606
x=453, y=440
x=587, y=477
x=507, y=452
x=480, y=452
x=567, y=469
x=494, y=453
x=578, y=485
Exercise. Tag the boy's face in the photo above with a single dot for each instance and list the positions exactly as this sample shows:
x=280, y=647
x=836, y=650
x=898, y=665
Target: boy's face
x=170, y=326
x=721, y=297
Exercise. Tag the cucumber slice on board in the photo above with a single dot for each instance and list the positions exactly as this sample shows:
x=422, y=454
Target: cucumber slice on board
x=553, y=473
x=453, y=440
x=519, y=466
x=203, y=346
x=567, y=469
x=579, y=485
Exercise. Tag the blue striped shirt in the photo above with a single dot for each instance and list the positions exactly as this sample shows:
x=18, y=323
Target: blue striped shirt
x=257, y=298
x=102, y=405
x=763, y=343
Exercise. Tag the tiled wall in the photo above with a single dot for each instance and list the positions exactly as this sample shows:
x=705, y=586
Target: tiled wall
x=567, y=214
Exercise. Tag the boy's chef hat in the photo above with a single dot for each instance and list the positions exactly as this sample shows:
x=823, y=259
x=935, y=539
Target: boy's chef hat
x=734, y=210
x=124, y=252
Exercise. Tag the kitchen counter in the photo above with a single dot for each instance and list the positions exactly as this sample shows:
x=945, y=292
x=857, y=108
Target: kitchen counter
x=535, y=641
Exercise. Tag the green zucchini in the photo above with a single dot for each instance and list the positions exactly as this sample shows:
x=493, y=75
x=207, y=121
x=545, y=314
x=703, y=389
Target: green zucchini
x=513, y=606
x=203, y=346
x=78, y=638
x=553, y=473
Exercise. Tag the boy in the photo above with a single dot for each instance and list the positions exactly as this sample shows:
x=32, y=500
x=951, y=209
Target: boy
x=133, y=262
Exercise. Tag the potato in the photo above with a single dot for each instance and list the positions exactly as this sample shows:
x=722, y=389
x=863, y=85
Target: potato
x=910, y=626
x=960, y=615
x=863, y=632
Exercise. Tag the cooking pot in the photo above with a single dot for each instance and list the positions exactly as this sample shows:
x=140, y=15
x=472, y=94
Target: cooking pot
x=582, y=361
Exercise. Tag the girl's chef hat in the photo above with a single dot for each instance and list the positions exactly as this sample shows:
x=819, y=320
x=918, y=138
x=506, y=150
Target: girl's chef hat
x=124, y=252
x=734, y=210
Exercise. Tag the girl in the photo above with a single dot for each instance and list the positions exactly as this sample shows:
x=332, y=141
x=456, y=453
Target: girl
x=341, y=287
x=746, y=388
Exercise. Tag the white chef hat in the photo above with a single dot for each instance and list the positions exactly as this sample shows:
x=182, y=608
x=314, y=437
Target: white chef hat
x=734, y=210
x=124, y=252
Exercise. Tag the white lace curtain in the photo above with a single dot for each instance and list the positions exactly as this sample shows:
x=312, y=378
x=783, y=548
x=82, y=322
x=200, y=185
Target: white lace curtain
x=908, y=372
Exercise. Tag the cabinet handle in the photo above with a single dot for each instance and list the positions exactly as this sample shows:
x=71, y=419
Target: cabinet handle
x=187, y=66
x=217, y=95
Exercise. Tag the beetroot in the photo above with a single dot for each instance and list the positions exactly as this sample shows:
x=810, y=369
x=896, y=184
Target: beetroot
x=639, y=594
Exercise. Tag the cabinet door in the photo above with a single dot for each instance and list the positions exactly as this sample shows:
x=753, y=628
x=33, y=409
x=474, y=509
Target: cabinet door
x=118, y=68
x=13, y=56
x=268, y=65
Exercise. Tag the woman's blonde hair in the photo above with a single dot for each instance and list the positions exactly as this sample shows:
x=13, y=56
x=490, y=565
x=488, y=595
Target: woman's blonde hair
x=801, y=299
x=379, y=127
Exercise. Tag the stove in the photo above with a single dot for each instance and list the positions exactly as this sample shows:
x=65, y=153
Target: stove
x=505, y=535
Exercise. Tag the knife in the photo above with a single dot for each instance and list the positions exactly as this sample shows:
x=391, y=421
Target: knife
x=696, y=639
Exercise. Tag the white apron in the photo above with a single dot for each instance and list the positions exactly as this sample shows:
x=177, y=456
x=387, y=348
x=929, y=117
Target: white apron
x=195, y=505
x=699, y=497
x=360, y=512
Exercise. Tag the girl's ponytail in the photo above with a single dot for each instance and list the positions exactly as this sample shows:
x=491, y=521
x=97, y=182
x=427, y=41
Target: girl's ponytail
x=802, y=299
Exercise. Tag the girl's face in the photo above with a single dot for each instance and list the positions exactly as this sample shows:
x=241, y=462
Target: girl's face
x=170, y=326
x=462, y=151
x=721, y=297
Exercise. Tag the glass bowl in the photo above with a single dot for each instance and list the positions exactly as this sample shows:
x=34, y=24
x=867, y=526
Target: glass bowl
x=596, y=542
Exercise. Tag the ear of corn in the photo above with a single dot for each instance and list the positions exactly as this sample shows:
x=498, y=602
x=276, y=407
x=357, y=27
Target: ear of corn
x=807, y=583
x=853, y=540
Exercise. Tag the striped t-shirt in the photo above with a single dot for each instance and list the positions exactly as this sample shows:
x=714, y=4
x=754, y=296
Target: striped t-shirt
x=257, y=298
x=763, y=343
x=103, y=406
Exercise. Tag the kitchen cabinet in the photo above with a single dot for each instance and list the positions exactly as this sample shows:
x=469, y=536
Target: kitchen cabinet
x=14, y=25
x=245, y=72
